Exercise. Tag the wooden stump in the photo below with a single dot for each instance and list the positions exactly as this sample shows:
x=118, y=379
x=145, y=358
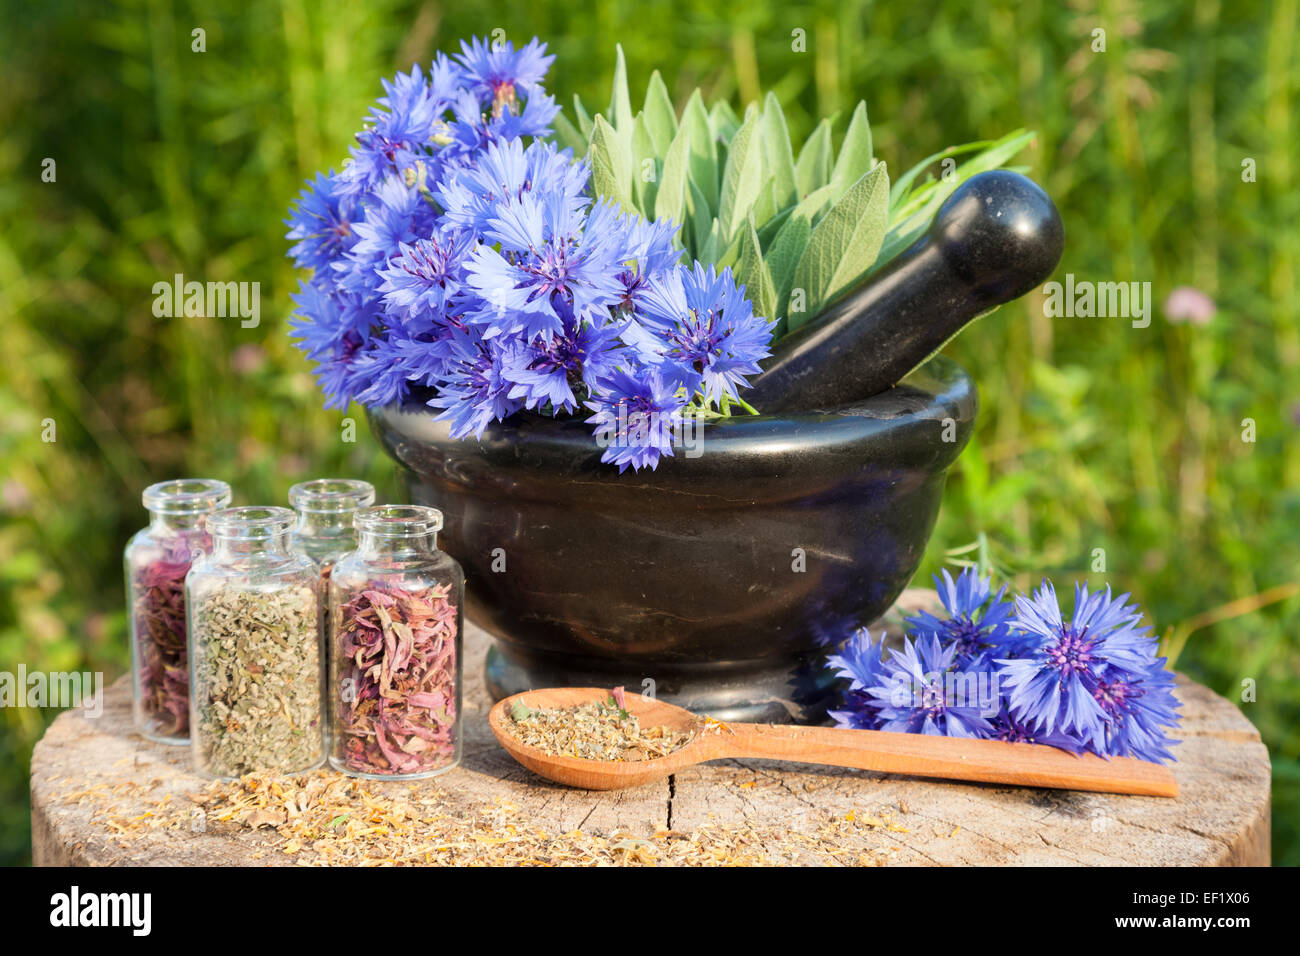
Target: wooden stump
x=102, y=795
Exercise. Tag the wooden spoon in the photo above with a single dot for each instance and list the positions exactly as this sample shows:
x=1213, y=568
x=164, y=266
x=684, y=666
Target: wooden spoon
x=956, y=758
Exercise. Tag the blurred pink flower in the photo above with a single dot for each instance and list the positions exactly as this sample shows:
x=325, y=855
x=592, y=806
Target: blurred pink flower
x=247, y=359
x=1189, y=304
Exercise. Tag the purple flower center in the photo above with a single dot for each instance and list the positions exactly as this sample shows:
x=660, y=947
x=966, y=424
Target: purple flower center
x=1072, y=653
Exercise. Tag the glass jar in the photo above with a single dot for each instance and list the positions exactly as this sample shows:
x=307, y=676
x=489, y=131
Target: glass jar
x=255, y=654
x=326, y=507
x=157, y=560
x=395, y=619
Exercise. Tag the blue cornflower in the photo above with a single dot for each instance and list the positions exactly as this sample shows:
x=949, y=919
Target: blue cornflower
x=498, y=72
x=502, y=173
x=546, y=372
x=397, y=216
x=473, y=392
x=978, y=622
x=547, y=259
x=636, y=417
x=399, y=128
x=1006, y=727
x=328, y=337
x=1137, y=711
x=420, y=282
x=922, y=689
x=698, y=320
x=320, y=223
x=1095, y=677
x=861, y=659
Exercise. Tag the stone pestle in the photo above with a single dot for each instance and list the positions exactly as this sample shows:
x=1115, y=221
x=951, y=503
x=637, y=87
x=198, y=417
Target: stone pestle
x=994, y=239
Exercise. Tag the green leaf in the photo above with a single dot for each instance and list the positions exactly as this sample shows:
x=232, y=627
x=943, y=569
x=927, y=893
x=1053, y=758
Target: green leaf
x=660, y=117
x=844, y=244
x=723, y=121
x=645, y=167
x=620, y=103
x=813, y=171
x=766, y=204
x=855, y=158
x=787, y=247
x=777, y=152
x=704, y=150
x=611, y=164
x=584, y=118
x=753, y=273
x=911, y=213
x=743, y=177
x=670, y=199
x=701, y=217
x=568, y=136
x=768, y=230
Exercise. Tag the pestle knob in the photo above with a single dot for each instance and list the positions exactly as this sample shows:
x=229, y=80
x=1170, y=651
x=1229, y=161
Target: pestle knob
x=994, y=239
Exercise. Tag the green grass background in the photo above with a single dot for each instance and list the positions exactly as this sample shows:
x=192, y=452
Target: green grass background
x=1093, y=434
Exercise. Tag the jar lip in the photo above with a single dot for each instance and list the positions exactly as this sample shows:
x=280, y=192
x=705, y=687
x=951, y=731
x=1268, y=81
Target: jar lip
x=186, y=496
x=331, y=495
x=398, y=521
x=251, y=522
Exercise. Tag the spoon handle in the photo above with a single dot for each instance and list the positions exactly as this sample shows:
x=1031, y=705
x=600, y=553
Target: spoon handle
x=956, y=758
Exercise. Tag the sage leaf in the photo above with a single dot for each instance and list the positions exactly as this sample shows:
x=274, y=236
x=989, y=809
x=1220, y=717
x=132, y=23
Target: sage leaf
x=645, y=167
x=777, y=153
x=620, y=103
x=855, y=157
x=724, y=121
x=742, y=179
x=584, y=118
x=844, y=245
x=670, y=199
x=752, y=272
x=611, y=164
x=660, y=118
x=765, y=205
x=703, y=150
x=788, y=245
x=768, y=230
x=701, y=217
x=813, y=170
x=568, y=136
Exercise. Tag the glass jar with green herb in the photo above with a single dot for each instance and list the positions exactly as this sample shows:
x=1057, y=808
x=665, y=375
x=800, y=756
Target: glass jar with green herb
x=157, y=560
x=395, y=619
x=255, y=654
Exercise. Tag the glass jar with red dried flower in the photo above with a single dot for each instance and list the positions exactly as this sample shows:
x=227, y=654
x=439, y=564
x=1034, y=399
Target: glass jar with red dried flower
x=157, y=560
x=395, y=617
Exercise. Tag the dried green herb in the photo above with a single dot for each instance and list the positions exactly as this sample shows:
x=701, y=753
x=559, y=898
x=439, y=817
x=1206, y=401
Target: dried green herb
x=595, y=730
x=257, y=693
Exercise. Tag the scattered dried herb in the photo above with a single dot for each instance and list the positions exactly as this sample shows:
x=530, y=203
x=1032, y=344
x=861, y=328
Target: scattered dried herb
x=594, y=730
x=161, y=658
x=396, y=667
x=257, y=670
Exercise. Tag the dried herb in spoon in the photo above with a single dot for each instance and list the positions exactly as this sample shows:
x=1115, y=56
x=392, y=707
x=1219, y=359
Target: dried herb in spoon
x=595, y=730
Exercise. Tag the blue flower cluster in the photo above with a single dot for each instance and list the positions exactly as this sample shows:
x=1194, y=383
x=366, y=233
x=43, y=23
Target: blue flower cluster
x=449, y=255
x=1017, y=672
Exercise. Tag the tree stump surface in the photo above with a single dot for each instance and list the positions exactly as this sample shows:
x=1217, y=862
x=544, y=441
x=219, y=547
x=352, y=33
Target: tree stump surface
x=102, y=795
